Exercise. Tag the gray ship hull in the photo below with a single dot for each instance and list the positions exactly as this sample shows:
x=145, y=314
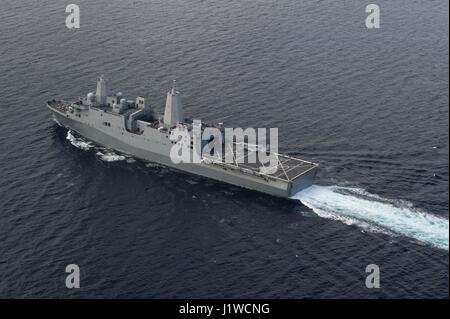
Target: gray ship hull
x=272, y=186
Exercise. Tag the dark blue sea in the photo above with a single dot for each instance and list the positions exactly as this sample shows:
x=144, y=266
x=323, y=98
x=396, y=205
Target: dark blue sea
x=369, y=105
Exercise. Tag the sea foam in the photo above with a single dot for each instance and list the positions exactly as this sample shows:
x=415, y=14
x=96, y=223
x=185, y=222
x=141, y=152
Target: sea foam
x=355, y=206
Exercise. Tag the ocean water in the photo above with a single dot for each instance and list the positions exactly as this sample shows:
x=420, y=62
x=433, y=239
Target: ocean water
x=371, y=106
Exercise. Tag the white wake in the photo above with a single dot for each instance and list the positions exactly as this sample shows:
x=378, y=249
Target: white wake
x=78, y=142
x=358, y=207
x=110, y=156
x=103, y=154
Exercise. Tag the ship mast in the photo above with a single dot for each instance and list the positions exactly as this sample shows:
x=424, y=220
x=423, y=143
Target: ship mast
x=173, y=112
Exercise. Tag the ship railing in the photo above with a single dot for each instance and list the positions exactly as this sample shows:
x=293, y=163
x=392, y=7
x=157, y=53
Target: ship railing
x=235, y=166
x=242, y=169
x=285, y=163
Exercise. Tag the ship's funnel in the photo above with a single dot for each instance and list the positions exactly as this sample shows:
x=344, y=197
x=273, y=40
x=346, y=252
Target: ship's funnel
x=102, y=91
x=174, y=109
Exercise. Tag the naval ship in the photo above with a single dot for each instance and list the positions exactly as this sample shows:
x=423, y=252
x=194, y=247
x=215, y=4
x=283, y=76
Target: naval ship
x=133, y=127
